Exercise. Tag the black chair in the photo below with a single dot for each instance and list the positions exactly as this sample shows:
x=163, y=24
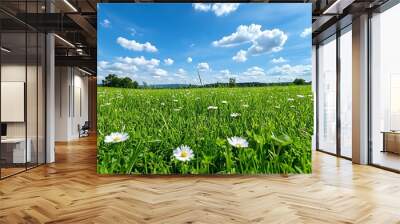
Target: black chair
x=84, y=130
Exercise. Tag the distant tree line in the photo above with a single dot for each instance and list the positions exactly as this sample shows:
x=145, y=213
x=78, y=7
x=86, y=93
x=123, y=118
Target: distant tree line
x=124, y=82
x=113, y=80
x=232, y=83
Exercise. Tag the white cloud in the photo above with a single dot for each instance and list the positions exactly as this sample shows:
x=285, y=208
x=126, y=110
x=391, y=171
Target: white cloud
x=137, y=68
x=135, y=46
x=168, y=61
x=278, y=60
x=159, y=72
x=243, y=34
x=224, y=75
x=181, y=73
x=203, y=7
x=189, y=60
x=254, y=72
x=306, y=32
x=203, y=66
x=262, y=41
x=289, y=70
x=219, y=9
x=102, y=65
x=140, y=61
x=240, y=56
x=105, y=23
x=268, y=41
x=133, y=31
x=116, y=67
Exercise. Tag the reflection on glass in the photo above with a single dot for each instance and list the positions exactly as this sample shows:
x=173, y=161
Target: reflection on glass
x=346, y=92
x=31, y=101
x=22, y=90
x=327, y=95
x=385, y=91
x=14, y=153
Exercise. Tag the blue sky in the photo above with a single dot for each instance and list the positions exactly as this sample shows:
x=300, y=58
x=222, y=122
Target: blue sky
x=170, y=43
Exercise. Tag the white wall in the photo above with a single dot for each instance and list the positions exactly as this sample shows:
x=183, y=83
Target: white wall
x=70, y=83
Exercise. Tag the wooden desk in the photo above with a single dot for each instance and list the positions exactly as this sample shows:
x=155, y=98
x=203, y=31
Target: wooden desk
x=391, y=141
x=13, y=150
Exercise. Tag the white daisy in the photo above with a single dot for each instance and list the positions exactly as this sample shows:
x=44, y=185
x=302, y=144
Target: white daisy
x=300, y=96
x=212, y=107
x=116, y=137
x=238, y=142
x=290, y=99
x=224, y=102
x=183, y=153
x=245, y=105
x=235, y=115
x=162, y=104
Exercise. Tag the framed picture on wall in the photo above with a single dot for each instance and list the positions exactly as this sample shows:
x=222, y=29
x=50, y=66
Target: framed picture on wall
x=204, y=88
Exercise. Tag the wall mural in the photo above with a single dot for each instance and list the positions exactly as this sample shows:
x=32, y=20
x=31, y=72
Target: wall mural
x=204, y=88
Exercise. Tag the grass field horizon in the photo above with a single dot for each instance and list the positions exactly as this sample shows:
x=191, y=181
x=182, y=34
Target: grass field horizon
x=241, y=130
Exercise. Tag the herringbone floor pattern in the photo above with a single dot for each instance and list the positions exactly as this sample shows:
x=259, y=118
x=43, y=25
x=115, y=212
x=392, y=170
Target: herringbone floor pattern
x=70, y=191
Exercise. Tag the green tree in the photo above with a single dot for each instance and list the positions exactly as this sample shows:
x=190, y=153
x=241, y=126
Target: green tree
x=114, y=81
x=232, y=82
x=299, y=81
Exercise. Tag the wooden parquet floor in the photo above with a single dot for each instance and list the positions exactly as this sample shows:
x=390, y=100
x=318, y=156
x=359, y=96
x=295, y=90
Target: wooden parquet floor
x=70, y=191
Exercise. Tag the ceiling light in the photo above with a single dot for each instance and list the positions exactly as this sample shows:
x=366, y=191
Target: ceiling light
x=64, y=40
x=86, y=72
x=337, y=7
x=5, y=50
x=70, y=5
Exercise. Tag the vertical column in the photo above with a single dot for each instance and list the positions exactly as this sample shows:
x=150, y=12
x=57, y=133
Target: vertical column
x=50, y=92
x=360, y=89
x=338, y=91
x=314, y=89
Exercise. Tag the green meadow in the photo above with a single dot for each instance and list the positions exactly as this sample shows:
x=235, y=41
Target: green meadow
x=276, y=122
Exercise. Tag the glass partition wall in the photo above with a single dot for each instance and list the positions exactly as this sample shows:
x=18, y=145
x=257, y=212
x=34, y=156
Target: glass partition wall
x=22, y=77
x=334, y=94
x=327, y=95
x=346, y=95
x=385, y=89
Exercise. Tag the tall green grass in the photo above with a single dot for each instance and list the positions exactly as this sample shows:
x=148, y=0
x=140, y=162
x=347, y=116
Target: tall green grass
x=278, y=124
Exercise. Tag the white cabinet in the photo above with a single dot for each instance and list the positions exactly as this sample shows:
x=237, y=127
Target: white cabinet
x=19, y=155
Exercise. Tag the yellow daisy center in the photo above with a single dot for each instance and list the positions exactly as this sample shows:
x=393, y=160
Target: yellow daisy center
x=117, y=138
x=238, y=145
x=184, y=154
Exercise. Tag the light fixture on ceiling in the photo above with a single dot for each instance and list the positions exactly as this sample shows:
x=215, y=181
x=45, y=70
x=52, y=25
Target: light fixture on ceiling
x=337, y=7
x=70, y=5
x=5, y=50
x=65, y=41
x=84, y=71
